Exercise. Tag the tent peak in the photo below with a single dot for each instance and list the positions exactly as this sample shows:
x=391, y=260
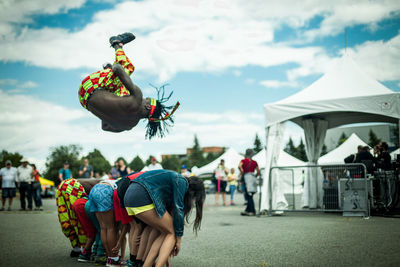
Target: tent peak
x=344, y=79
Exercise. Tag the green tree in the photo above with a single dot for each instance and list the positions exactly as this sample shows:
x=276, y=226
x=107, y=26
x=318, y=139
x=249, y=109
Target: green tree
x=210, y=157
x=324, y=150
x=301, y=151
x=373, y=139
x=342, y=139
x=60, y=154
x=196, y=158
x=171, y=163
x=290, y=148
x=14, y=157
x=257, y=144
x=136, y=164
x=98, y=161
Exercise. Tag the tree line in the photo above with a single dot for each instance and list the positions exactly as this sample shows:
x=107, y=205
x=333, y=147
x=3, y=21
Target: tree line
x=72, y=153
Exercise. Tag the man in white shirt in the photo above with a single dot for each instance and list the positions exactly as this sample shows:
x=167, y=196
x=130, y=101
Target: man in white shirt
x=154, y=165
x=24, y=182
x=8, y=175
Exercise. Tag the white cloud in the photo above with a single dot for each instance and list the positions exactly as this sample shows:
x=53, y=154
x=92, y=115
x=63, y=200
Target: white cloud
x=31, y=126
x=278, y=84
x=345, y=13
x=8, y=82
x=237, y=73
x=20, y=11
x=28, y=84
x=177, y=36
x=379, y=58
x=17, y=86
x=250, y=81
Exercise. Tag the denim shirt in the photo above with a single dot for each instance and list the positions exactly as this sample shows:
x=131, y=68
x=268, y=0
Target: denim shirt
x=166, y=188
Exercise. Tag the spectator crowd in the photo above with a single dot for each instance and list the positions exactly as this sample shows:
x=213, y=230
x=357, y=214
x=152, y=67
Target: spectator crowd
x=26, y=179
x=378, y=160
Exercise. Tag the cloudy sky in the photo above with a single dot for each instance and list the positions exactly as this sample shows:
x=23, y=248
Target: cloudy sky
x=222, y=59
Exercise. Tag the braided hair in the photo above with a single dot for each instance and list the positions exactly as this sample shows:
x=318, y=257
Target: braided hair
x=157, y=126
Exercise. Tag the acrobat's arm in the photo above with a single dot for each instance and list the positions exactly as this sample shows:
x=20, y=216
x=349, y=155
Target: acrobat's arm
x=127, y=82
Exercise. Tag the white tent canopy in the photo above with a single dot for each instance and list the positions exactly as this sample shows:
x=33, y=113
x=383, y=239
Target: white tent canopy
x=348, y=147
x=284, y=159
x=231, y=157
x=394, y=154
x=343, y=95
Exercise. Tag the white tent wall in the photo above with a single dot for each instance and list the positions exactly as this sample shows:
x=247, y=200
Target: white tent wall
x=343, y=95
x=274, y=136
x=284, y=180
x=337, y=155
x=394, y=154
x=231, y=157
x=314, y=132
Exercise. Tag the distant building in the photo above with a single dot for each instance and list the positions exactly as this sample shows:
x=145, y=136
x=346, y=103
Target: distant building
x=215, y=150
x=179, y=156
x=385, y=132
x=208, y=150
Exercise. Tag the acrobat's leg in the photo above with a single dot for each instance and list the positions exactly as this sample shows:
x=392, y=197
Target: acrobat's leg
x=123, y=67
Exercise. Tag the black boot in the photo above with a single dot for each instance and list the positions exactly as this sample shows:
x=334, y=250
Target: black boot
x=123, y=38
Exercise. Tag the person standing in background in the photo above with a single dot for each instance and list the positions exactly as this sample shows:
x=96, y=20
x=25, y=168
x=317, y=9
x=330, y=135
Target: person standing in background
x=247, y=166
x=24, y=182
x=8, y=175
x=65, y=173
x=221, y=173
x=232, y=179
x=184, y=171
x=36, y=188
x=86, y=170
x=154, y=165
x=383, y=160
x=114, y=171
x=123, y=169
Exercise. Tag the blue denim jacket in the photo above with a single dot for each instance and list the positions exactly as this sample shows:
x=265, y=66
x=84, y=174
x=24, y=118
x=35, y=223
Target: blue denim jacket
x=166, y=188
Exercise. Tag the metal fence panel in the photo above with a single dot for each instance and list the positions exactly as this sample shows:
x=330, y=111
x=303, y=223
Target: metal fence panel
x=336, y=188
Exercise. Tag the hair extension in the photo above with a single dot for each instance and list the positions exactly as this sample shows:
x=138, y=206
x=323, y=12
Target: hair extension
x=160, y=128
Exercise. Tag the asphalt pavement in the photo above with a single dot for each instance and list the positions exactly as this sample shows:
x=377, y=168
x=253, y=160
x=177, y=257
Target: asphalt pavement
x=226, y=239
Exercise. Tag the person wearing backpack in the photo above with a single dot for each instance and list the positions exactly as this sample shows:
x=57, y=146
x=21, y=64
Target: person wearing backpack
x=65, y=173
x=247, y=167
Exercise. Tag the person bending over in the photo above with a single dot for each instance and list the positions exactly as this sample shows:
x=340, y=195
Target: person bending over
x=111, y=96
x=101, y=202
x=67, y=193
x=148, y=198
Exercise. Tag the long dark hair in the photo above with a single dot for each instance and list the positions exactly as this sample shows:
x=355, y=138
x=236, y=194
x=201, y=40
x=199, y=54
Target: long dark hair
x=195, y=195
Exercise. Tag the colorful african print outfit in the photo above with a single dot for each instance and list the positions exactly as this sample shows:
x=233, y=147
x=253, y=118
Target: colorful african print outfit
x=68, y=191
x=106, y=79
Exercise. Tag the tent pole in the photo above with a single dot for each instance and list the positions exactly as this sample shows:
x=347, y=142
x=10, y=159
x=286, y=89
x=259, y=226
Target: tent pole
x=398, y=133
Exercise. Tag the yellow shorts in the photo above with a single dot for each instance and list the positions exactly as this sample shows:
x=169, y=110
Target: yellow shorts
x=137, y=210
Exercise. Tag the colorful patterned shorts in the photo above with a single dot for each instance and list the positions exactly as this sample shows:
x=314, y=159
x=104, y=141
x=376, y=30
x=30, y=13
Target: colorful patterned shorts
x=106, y=79
x=68, y=191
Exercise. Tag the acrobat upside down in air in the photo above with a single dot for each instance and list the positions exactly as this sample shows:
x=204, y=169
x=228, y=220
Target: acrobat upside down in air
x=111, y=95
